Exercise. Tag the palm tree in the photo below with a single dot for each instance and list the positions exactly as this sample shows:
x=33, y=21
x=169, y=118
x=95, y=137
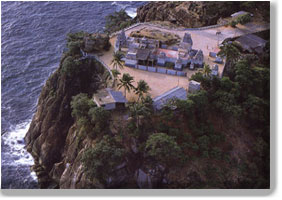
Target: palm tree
x=141, y=89
x=206, y=70
x=116, y=61
x=137, y=110
x=126, y=82
x=106, y=77
x=115, y=73
x=230, y=51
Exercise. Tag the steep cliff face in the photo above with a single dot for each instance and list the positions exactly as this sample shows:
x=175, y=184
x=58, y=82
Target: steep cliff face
x=48, y=131
x=188, y=14
x=193, y=14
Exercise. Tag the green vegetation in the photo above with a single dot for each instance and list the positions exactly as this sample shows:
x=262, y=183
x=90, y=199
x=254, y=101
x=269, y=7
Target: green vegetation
x=116, y=61
x=242, y=19
x=100, y=119
x=208, y=131
x=141, y=89
x=206, y=70
x=72, y=63
x=75, y=42
x=101, y=160
x=163, y=148
x=126, y=82
x=117, y=21
x=93, y=120
x=81, y=105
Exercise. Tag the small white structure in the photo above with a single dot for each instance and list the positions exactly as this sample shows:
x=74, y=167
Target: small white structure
x=240, y=13
x=194, y=86
x=109, y=99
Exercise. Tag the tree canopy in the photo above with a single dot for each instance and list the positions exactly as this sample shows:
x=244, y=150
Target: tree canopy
x=163, y=148
x=101, y=160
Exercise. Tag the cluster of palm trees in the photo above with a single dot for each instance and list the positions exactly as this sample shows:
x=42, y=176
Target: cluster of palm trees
x=126, y=81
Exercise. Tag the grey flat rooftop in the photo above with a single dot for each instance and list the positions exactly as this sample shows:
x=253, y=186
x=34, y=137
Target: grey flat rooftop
x=117, y=96
x=143, y=54
x=177, y=93
x=106, y=96
x=251, y=41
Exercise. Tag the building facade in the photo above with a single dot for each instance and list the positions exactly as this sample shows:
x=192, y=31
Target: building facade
x=150, y=52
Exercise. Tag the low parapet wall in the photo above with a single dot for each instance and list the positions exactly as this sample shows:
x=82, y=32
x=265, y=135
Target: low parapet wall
x=159, y=70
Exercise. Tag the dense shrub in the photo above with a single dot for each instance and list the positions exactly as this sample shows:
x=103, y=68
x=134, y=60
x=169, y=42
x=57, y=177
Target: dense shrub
x=81, y=104
x=100, y=118
x=75, y=42
x=243, y=19
x=163, y=148
x=117, y=21
x=101, y=160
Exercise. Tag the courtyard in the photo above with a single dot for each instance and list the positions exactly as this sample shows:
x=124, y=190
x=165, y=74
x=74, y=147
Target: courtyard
x=206, y=40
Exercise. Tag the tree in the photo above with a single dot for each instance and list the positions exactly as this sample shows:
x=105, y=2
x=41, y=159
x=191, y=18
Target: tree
x=116, y=61
x=74, y=48
x=148, y=103
x=115, y=73
x=207, y=70
x=185, y=107
x=229, y=50
x=226, y=84
x=203, y=142
x=225, y=103
x=256, y=110
x=107, y=76
x=163, y=149
x=200, y=102
x=117, y=21
x=100, y=119
x=244, y=75
x=126, y=82
x=80, y=105
x=100, y=161
x=141, y=89
x=70, y=66
x=243, y=19
x=199, y=77
x=137, y=110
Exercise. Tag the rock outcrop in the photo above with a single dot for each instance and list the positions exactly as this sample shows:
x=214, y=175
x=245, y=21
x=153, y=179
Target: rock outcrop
x=189, y=14
x=47, y=136
x=164, y=37
x=96, y=42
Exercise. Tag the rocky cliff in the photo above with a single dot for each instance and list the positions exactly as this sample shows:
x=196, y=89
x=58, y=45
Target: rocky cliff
x=46, y=137
x=193, y=14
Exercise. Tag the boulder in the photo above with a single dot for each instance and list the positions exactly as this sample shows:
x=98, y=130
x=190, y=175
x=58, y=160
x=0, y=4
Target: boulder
x=143, y=180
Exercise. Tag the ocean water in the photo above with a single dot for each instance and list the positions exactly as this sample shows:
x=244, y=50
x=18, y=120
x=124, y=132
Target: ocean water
x=32, y=41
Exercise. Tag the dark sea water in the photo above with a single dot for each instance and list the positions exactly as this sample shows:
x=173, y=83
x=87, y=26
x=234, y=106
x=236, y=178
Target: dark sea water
x=32, y=41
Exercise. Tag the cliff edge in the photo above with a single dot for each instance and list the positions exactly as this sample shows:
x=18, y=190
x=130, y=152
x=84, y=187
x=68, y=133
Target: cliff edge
x=194, y=14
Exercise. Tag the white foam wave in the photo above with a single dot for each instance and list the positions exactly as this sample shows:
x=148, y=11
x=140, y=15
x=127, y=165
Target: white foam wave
x=14, y=139
x=132, y=12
